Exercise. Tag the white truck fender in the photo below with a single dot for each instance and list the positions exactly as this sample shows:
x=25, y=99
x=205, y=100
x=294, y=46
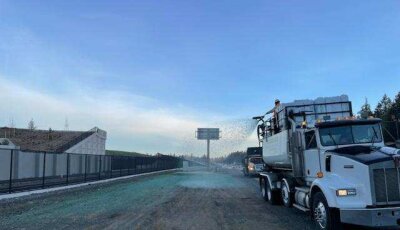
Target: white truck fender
x=326, y=190
x=273, y=180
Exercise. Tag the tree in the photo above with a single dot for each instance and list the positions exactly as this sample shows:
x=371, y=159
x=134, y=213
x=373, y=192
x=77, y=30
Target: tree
x=365, y=109
x=31, y=125
x=383, y=108
x=378, y=112
x=396, y=106
x=235, y=158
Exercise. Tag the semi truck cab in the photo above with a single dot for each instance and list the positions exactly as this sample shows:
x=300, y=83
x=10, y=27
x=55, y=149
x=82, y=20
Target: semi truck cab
x=339, y=170
x=253, y=163
x=348, y=162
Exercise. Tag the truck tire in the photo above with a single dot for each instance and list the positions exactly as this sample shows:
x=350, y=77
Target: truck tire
x=263, y=189
x=273, y=196
x=286, y=195
x=325, y=218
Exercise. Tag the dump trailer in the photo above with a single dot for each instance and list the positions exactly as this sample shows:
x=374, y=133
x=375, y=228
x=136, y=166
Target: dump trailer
x=253, y=163
x=320, y=159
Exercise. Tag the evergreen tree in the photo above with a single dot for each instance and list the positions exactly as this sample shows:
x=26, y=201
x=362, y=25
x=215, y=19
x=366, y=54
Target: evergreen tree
x=365, y=109
x=383, y=108
x=396, y=106
x=378, y=112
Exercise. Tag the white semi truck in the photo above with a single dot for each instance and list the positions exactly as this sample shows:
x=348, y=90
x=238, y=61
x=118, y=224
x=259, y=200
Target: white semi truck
x=320, y=159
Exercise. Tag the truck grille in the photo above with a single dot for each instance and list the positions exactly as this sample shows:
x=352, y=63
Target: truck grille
x=387, y=188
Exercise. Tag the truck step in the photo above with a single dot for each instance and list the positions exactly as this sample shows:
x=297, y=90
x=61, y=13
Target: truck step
x=304, y=209
x=303, y=189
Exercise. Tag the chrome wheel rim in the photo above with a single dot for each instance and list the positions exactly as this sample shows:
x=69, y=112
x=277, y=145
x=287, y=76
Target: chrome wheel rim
x=263, y=190
x=320, y=215
x=285, y=194
x=269, y=194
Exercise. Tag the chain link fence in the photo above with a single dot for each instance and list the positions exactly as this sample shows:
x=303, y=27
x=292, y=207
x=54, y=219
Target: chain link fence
x=21, y=171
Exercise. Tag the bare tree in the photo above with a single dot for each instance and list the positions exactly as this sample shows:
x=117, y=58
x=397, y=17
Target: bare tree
x=31, y=125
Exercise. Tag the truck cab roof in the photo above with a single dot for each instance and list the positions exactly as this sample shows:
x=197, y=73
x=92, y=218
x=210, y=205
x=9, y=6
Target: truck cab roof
x=327, y=124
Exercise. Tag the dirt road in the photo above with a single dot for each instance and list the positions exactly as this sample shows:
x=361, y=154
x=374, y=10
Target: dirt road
x=182, y=200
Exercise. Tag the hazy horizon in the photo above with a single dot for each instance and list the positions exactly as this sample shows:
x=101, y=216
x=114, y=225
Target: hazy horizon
x=151, y=72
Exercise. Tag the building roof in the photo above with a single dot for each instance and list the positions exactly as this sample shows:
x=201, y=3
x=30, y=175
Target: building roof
x=43, y=140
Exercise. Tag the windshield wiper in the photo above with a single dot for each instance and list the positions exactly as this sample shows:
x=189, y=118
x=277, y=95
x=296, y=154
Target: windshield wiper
x=373, y=137
x=333, y=139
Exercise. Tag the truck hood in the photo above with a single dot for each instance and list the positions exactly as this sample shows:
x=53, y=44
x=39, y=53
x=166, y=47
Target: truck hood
x=366, y=154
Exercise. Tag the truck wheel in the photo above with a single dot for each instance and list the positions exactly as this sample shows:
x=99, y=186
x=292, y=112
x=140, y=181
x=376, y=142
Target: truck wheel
x=263, y=189
x=272, y=195
x=286, y=195
x=325, y=218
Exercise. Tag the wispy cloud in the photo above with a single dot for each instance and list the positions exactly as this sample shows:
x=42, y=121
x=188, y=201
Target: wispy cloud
x=51, y=83
x=117, y=112
x=133, y=122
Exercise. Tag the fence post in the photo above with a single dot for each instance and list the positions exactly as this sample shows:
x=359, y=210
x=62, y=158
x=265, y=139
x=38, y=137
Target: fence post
x=100, y=168
x=141, y=165
x=85, y=165
x=110, y=164
x=44, y=170
x=67, y=168
x=129, y=165
x=11, y=171
x=134, y=165
x=120, y=167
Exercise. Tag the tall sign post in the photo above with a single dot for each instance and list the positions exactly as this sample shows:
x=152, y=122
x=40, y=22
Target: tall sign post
x=207, y=134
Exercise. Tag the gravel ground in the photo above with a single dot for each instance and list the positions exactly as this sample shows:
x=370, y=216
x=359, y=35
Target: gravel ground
x=181, y=200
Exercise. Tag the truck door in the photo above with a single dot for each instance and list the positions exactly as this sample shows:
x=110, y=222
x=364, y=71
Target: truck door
x=311, y=155
x=297, y=153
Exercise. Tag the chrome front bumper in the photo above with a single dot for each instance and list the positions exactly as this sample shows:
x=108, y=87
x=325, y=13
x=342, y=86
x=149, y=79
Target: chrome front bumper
x=374, y=217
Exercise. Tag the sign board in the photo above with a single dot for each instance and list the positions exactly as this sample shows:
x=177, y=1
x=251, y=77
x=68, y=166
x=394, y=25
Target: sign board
x=207, y=134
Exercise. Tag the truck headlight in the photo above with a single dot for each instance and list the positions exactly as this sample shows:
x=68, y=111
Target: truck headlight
x=346, y=192
x=251, y=167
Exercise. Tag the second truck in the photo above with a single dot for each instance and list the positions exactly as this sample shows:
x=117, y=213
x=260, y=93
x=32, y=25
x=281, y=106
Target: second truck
x=320, y=159
x=253, y=163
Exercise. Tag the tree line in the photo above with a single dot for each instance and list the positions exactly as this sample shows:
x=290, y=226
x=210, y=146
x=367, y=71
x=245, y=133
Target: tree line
x=232, y=158
x=386, y=109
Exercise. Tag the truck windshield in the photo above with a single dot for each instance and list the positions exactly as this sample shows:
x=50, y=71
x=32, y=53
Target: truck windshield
x=354, y=134
x=257, y=160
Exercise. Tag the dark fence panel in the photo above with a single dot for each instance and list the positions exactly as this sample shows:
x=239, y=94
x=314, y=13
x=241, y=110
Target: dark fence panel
x=122, y=166
x=20, y=171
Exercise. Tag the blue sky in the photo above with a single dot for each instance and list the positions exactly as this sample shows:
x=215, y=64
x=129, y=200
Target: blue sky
x=185, y=63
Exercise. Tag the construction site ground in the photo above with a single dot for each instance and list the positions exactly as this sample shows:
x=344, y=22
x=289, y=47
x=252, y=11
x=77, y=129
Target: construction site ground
x=200, y=199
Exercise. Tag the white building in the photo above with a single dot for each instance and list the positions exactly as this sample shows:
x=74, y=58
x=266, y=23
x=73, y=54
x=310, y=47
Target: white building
x=54, y=141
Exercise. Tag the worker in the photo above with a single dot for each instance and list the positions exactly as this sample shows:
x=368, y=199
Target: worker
x=276, y=116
